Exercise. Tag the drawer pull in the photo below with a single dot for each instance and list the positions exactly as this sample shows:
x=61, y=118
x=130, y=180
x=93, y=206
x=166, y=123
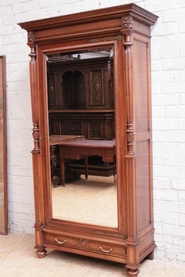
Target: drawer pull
x=105, y=251
x=60, y=242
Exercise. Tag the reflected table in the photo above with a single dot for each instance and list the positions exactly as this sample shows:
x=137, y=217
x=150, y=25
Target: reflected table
x=82, y=149
x=58, y=139
x=54, y=142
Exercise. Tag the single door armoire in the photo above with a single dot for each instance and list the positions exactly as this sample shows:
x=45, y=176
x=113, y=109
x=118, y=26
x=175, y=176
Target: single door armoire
x=92, y=154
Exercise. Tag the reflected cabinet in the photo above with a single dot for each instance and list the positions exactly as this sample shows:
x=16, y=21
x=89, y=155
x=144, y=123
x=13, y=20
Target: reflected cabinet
x=92, y=152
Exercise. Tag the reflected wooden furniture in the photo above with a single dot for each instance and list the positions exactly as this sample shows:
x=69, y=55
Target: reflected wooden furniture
x=92, y=124
x=125, y=29
x=55, y=141
x=81, y=102
x=83, y=148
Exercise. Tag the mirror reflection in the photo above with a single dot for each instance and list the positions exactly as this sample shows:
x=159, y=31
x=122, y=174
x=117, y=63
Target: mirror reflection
x=82, y=136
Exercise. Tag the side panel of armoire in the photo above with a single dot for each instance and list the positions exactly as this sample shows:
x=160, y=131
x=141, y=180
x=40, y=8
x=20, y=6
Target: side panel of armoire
x=142, y=144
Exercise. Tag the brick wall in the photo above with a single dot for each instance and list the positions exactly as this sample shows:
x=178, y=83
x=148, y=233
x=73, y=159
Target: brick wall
x=168, y=95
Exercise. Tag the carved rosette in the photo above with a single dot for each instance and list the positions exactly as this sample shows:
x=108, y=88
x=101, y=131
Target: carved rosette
x=127, y=22
x=82, y=243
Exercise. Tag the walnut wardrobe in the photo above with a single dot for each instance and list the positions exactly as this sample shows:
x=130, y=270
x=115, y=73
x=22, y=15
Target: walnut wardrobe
x=92, y=154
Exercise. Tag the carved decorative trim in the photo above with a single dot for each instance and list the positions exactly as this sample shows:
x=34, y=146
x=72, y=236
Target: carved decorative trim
x=96, y=88
x=106, y=39
x=130, y=139
x=71, y=31
x=35, y=133
x=127, y=22
x=111, y=235
x=30, y=36
x=127, y=44
x=33, y=54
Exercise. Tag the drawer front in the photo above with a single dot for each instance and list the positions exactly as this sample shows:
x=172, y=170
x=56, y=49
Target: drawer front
x=105, y=248
x=60, y=240
x=71, y=153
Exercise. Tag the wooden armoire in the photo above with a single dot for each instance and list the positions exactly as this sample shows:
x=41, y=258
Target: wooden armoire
x=91, y=107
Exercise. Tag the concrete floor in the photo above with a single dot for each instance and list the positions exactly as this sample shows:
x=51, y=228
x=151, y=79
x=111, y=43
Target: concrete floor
x=18, y=259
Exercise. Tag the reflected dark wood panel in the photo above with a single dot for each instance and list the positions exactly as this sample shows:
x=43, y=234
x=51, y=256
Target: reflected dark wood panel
x=3, y=154
x=81, y=102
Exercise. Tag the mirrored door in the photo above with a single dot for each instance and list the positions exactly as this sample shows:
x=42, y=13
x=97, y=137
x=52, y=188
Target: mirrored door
x=81, y=116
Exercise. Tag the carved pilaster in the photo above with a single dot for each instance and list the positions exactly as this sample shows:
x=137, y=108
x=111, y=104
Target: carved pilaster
x=34, y=95
x=126, y=24
x=130, y=197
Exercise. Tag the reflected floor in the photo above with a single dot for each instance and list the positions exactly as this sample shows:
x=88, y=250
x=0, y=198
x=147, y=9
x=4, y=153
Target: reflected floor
x=92, y=201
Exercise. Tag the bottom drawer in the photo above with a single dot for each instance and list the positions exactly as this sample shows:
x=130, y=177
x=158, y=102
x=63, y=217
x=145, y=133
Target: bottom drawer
x=107, y=248
x=87, y=244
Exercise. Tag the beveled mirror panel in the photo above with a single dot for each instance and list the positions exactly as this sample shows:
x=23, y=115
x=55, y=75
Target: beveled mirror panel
x=81, y=117
x=3, y=144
